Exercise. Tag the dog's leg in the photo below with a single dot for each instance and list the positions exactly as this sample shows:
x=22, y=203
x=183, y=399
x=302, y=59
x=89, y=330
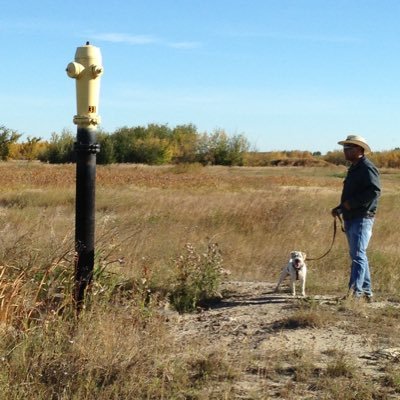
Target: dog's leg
x=284, y=273
x=303, y=283
x=303, y=287
x=293, y=283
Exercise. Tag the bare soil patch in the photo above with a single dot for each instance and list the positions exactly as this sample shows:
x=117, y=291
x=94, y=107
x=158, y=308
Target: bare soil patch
x=266, y=335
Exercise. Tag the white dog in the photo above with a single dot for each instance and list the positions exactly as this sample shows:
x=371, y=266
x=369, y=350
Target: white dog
x=297, y=270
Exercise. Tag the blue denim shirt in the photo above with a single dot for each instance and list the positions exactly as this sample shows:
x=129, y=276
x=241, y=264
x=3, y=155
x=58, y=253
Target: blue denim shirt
x=361, y=189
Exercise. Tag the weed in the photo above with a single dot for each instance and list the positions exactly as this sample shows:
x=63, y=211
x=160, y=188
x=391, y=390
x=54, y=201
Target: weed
x=212, y=365
x=198, y=276
x=304, y=367
x=341, y=366
x=306, y=317
x=391, y=377
x=343, y=388
x=184, y=168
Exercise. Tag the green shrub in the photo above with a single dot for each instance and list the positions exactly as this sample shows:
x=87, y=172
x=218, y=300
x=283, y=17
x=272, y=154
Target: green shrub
x=107, y=153
x=198, y=276
x=60, y=148
x=220, y=149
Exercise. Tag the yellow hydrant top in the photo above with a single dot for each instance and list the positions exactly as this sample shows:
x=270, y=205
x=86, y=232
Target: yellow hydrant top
x=86, y=70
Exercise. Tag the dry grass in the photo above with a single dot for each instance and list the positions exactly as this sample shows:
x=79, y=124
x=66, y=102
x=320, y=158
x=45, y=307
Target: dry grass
x=307, y=317
x=145, y=216
x=302, y=376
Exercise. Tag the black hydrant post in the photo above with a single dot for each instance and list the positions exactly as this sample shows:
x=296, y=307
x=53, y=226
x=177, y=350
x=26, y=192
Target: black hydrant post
x=86, y=70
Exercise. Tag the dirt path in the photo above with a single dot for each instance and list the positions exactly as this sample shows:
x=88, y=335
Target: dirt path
x=248, y=326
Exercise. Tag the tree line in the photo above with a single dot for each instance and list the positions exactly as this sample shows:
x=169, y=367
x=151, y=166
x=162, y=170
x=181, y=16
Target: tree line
x=382, y=159
x=153, y=144
x=156, y=144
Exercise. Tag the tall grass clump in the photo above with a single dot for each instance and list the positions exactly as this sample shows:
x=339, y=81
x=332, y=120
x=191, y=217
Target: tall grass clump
x=118, y=347
x=308, y=316
x=112, y=352
x=197, y=277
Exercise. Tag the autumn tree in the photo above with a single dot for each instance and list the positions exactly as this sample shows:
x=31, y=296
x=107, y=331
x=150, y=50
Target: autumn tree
x=7, y=138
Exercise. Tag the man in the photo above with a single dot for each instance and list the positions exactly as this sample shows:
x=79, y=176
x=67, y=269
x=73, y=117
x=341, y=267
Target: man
x=358, y=204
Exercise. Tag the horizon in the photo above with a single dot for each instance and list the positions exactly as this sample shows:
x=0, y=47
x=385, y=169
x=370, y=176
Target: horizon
x=316, y=153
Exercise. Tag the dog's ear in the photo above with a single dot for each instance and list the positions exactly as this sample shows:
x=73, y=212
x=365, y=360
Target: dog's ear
x=304, y=255
x=293, y=254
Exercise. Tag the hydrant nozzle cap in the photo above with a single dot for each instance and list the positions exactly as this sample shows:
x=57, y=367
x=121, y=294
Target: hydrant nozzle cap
x=74, y=69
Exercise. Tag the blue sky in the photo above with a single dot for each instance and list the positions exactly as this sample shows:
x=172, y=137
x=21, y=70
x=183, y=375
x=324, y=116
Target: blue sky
x=287, y=74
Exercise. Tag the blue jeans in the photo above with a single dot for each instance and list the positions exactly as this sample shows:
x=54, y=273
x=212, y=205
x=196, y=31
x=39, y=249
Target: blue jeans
x=359, y=232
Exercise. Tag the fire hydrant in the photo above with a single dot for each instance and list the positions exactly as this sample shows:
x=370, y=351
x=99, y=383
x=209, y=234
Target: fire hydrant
x=86, y=70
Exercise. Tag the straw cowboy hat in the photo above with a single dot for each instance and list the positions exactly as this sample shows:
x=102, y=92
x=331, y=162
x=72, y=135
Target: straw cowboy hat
x=358, y=140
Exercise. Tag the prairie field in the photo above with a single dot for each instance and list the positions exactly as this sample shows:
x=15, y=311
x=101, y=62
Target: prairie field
x=121, y=346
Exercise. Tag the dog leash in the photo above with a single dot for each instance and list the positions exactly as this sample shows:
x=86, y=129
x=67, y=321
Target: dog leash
x=337, y=217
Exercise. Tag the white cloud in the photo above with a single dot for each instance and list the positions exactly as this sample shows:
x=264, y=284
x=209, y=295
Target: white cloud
x=124, y=38
x=114, y=37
